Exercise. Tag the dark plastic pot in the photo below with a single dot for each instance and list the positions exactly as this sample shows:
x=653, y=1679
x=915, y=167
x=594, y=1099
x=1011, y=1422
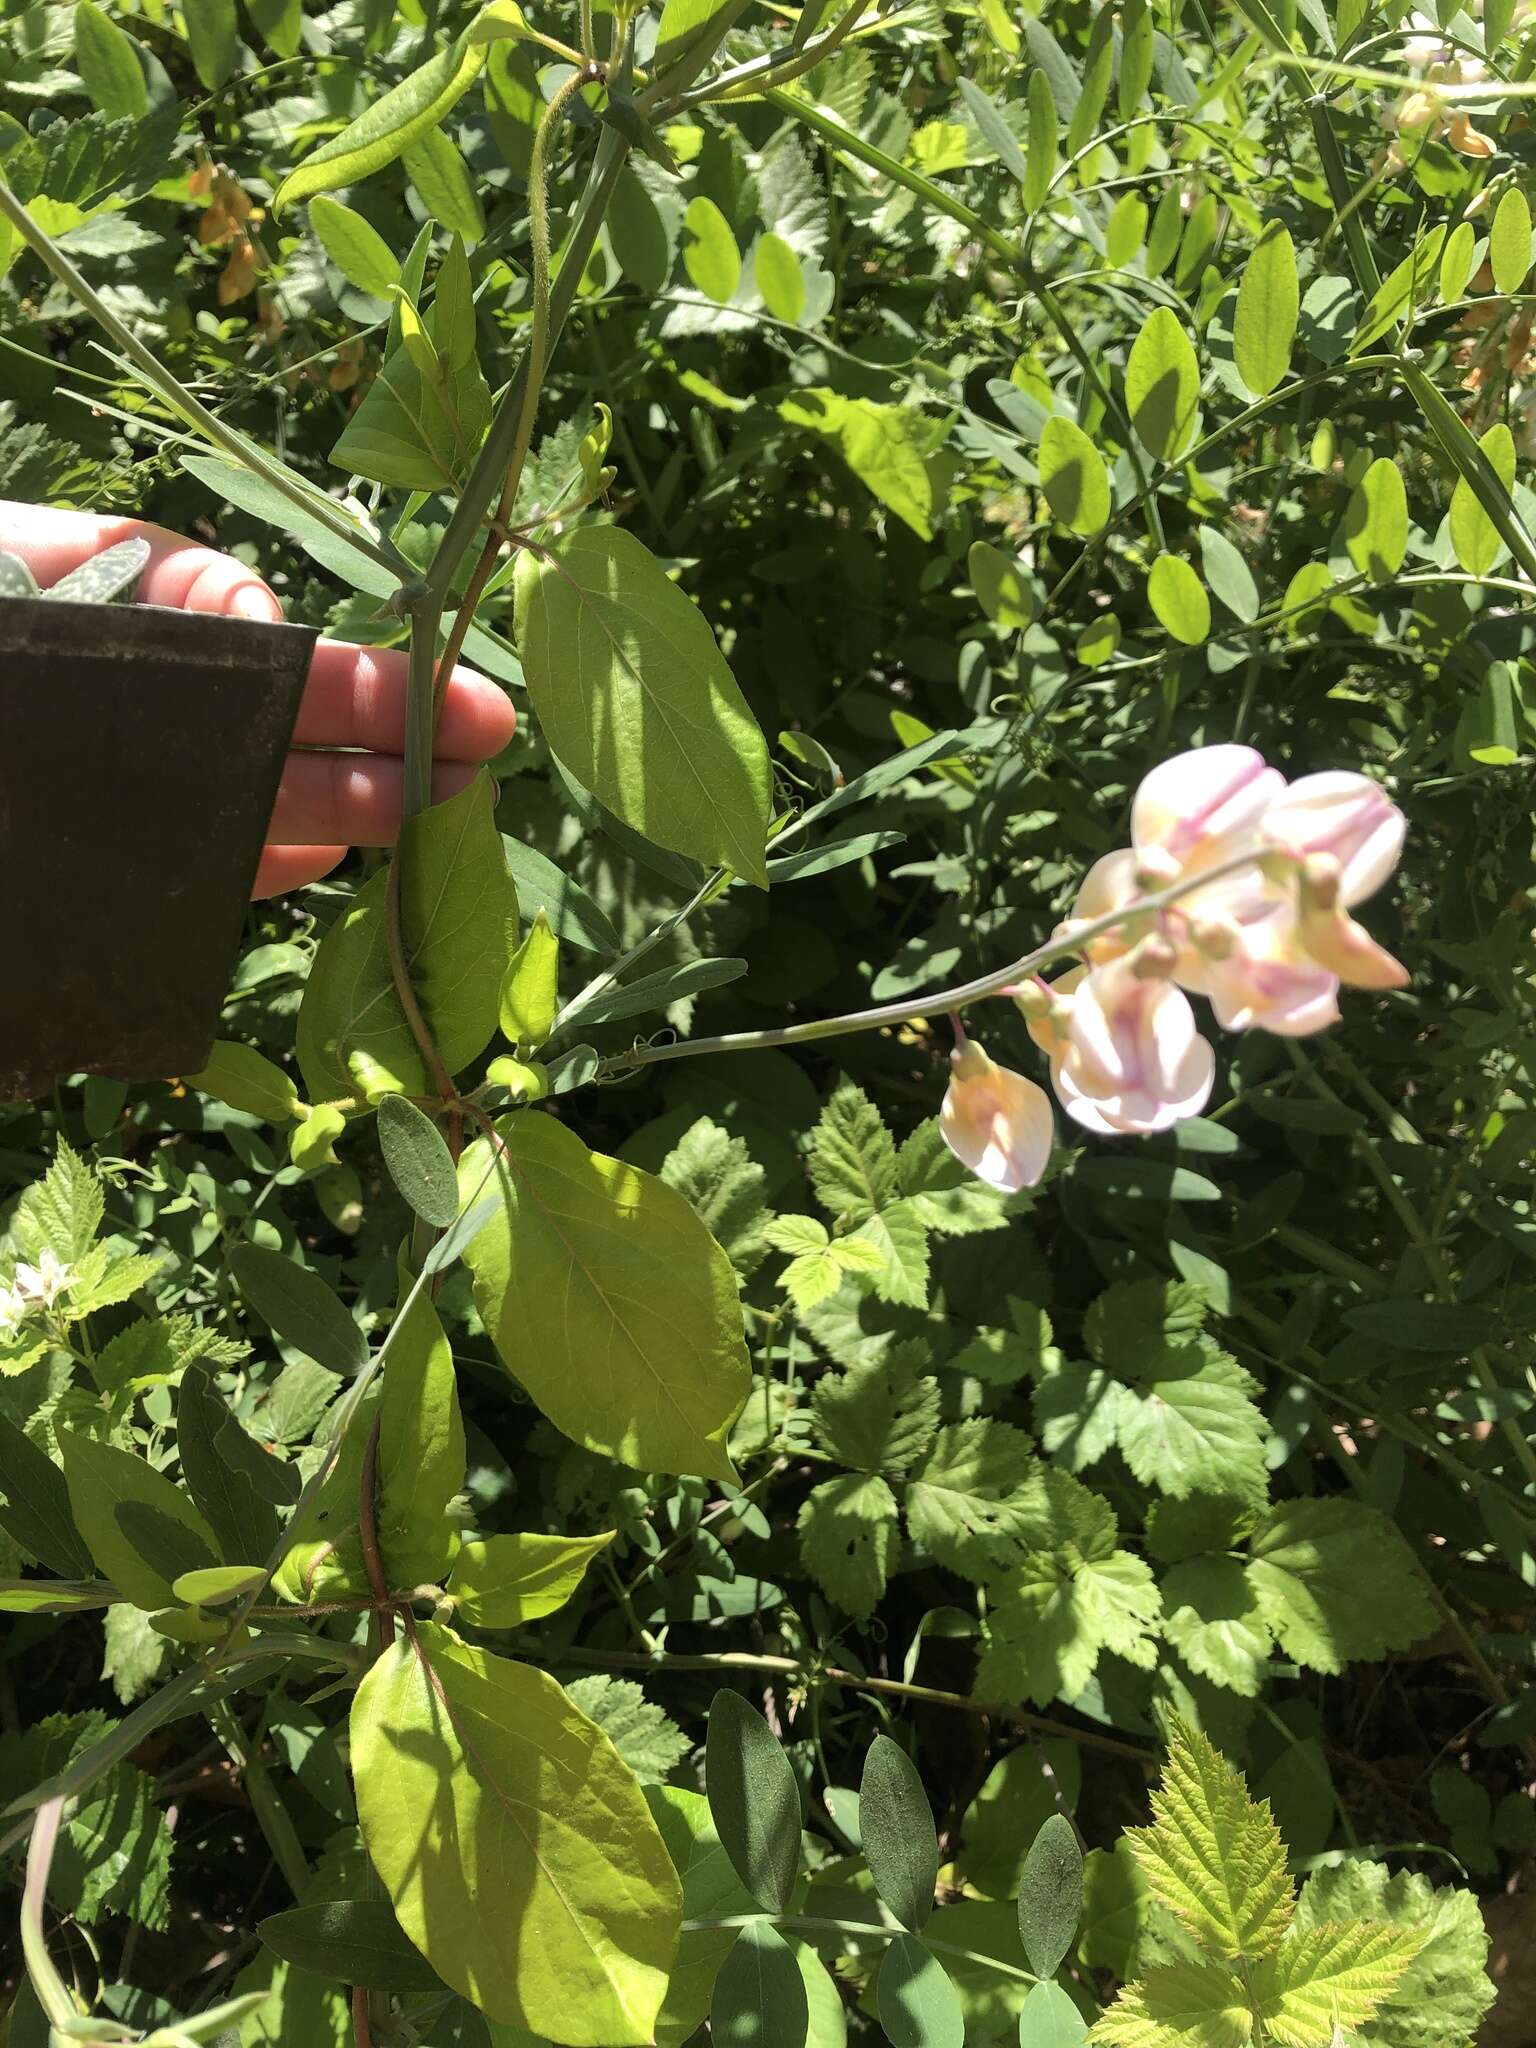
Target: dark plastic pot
x=140, y=751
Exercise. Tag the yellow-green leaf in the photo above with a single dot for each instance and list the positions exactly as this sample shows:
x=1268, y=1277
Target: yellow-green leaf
x=636, y=699
x=1001, y=584
x=516, y=1846
x=1456, y=262
x=248, y=1081
x=1073, y=476
x=608, y=1300
x=1040, y=148
x=107, y=60
x=1162, y=385
x=1126, y=229
x=1268, y=305
x=1376, y=521
x=459, y=924
x=356, y=248
x=503, y=1581
x=213, y=37
x=1509, y=241
x=710, y=255
x=1178, y=600
x=441, y=177
x=136, y=1523
x=530, y=1000
x=387, y=128
x=1477, y=541
x=779, y=277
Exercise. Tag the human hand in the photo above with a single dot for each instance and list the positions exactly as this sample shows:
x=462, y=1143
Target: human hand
x=343, y=783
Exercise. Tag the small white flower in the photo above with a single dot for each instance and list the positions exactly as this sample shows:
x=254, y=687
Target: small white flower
x=41, y=1285
x=13, y=1311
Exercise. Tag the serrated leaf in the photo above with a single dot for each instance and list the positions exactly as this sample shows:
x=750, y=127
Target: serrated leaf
x=1214, y=1621
x=1329, y=1976
x=717, y=1176
x=754, y=1799
x=897, y=1833
x=1193, y=1434
x=877, y=1417
x=848, y=1539
x=853, y=1157
x=635, y=697
x=645, y=1736
x=62, y=1212
x=1055, y=1615
x=1214, y=1856
x=1193, y=2005
x=1308, y=1562
x=965, y=1500
x=1444, y=1992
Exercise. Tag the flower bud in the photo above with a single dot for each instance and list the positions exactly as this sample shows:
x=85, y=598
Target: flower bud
x=996, y=1123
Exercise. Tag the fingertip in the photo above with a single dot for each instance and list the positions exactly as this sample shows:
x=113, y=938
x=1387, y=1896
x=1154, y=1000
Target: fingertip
x=282, y=868
x=253, y=600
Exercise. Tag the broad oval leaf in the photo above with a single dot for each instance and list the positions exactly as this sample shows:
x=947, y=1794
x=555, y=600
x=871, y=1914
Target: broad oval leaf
x=918, y=2005
x=1376, y=521
x=388, y=127
x=458, y=915
x=299, y=1306
x=355, y=246
x=1002, y=585
x=107, y=59
x=710, y=255
x=900, y=1844
x=609, y=1301
x=1162, y=385
x=1051, y=1895
x=488, y=1804
x=1125, y=230
x=1073, y=476
x=1509, y=241
x=1478, y=543
x=1178, y=600
x=754, y=1800
x=759, y=1999
x=1456, y=262
x=442, y=180
x=248, y=1081
x=636, y=699
x=779, y=277
x=213, y=37
x=106, y=1487
x=503, y=1581
x=1268, y=306
x=1051, y=2020
x=419, y=1162
x=34, y=1505
x=351, y=1941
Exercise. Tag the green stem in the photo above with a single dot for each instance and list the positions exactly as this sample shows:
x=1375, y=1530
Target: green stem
x=601, y=983
x=933, y=1003
x=181, y=401
x=1345, y=199
x=1009, y=252
x=864, y=1930
x=272, y=1816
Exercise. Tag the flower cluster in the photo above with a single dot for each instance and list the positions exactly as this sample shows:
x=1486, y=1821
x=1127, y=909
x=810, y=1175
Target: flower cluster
x=1424, y=111
x=1269, y=873
x=33, y=1288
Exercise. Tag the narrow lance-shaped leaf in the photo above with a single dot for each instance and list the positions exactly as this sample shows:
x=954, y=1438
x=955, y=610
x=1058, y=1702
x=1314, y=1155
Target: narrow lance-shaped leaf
x=388, y=127
x=1040, y=159
x=419, y=1162
x=1051, y=1895
x=754, y=1799
x=530, y=999
x=299, y=1306
x=899, y=1840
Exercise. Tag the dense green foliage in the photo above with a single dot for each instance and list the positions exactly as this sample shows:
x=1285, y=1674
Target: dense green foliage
x=937, y=438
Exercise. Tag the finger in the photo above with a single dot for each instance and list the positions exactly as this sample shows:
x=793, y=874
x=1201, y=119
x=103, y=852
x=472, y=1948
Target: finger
x=289, y=867
x=180, y=572
x=356, y=798
x=356, y=697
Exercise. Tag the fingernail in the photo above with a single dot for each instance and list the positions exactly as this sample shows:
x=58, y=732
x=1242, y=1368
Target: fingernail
x=255, y=601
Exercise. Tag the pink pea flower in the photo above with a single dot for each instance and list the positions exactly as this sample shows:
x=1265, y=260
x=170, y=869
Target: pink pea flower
x=1348, y=818
x=1331, y=936
x=995, y=1122
x=1264, y=980
x=1200, y=809
x=1125, y=1055
x=1110, y=884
